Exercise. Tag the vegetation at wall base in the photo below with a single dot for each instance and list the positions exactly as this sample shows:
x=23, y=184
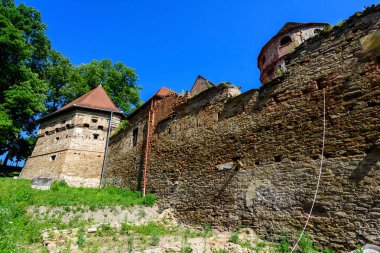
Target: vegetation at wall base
x=18, y=231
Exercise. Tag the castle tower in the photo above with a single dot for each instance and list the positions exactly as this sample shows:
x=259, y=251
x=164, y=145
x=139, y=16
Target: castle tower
x=71, y=141
x=271, y=58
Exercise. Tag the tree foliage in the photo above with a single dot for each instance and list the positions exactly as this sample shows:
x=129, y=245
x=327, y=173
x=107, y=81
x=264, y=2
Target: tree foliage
x=23, y=52
x=36, y=80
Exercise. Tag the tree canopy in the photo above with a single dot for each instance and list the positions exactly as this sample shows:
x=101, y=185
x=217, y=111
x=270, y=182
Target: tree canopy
x=36, y=79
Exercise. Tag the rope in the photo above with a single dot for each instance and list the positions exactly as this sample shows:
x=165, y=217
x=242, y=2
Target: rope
x=320, y=172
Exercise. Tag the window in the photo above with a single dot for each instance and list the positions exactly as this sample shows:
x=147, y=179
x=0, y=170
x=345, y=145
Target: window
x=285, y=41
x=52, y=158
x=270, y=73
x=100, y=127
x=96, y=136
x=317, y=31
x=86, y=125
x=135, y=134
x=94, y=120
x=57, y=138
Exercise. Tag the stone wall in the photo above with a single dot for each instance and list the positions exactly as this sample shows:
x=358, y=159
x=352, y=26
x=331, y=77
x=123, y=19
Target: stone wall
x=254, y=158
x=71, y=146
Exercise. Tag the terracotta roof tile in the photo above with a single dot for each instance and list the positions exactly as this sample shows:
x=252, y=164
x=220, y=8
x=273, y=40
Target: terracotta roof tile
x=96, y=98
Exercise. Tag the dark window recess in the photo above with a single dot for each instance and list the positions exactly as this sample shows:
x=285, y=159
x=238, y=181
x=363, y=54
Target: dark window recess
x=278, y=158
x=47, y=132
x=57, y=130
x=100, y=127
x=96, y=136
x=86, y=125
x=285, y=41
x=270, y=73
x=135, y=134
x=52, y=158
x=317, y=31
x=57, y=138
x=94, y=120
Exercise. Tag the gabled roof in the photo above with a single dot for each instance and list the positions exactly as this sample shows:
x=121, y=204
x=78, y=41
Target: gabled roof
x=161, y=93
x=94, y=99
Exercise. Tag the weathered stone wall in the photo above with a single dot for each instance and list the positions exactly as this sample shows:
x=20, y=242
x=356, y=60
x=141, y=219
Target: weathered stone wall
x=272, y=138
x=70, y=146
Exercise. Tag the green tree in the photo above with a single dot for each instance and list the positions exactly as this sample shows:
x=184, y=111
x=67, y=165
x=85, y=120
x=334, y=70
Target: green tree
x=24, y=48
x=58, y=74
x=36, y=80
x=118, y=80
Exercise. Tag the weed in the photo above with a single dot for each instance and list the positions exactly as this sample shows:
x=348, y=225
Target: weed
x=154, y=240
x=142, y=213
x=219, y=251
x=130, y=243
x=81, y=238
x=359, y=249
x=234, y=238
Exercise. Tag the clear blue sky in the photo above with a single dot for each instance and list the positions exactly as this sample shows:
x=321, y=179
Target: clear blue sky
x=170, y=42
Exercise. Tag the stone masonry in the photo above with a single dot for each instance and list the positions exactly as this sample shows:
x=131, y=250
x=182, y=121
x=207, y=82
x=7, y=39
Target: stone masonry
x=71, y=146
x=253, y=159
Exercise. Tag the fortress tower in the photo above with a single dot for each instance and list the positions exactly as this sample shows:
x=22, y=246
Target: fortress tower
x=71, y=141
x=271, y=58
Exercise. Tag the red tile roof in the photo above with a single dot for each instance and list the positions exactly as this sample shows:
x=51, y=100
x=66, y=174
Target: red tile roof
x=163, y=92
x=96, y=99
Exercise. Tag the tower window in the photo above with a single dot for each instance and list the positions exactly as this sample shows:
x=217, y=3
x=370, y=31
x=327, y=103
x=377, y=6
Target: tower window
x=100, y=127
x=135, y=134
x=96, y=136
x=94, y=120
x=52, y=158
x=86, y=125
x=285, y=41
x=57, y=138
x=317, y=31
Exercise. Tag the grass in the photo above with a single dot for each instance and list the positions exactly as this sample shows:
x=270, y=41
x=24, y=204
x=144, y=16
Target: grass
x=19, y=232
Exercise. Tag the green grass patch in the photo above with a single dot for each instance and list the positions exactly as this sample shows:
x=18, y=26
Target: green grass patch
x=18, y=231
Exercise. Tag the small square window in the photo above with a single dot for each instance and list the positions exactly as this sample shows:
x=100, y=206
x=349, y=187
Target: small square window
x=53, y=157
x=57, y=138
x=86, y=125
x=96, y=136
x=100, y=127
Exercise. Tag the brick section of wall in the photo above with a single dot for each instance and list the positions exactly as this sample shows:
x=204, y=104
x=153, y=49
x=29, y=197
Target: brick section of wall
x=71, y=147
x=272, y=137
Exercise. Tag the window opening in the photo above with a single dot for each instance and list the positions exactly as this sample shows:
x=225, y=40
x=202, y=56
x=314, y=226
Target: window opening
x=285, y=41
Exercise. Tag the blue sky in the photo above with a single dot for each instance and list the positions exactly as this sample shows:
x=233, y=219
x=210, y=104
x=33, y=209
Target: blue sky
x=170, y=42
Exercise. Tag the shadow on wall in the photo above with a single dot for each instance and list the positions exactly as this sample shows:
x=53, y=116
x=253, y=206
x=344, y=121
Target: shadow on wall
x=370, y=162
x=140, y=176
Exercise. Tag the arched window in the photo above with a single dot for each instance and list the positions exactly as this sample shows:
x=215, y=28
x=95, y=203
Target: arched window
x=285, y=41
x=317, y=31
